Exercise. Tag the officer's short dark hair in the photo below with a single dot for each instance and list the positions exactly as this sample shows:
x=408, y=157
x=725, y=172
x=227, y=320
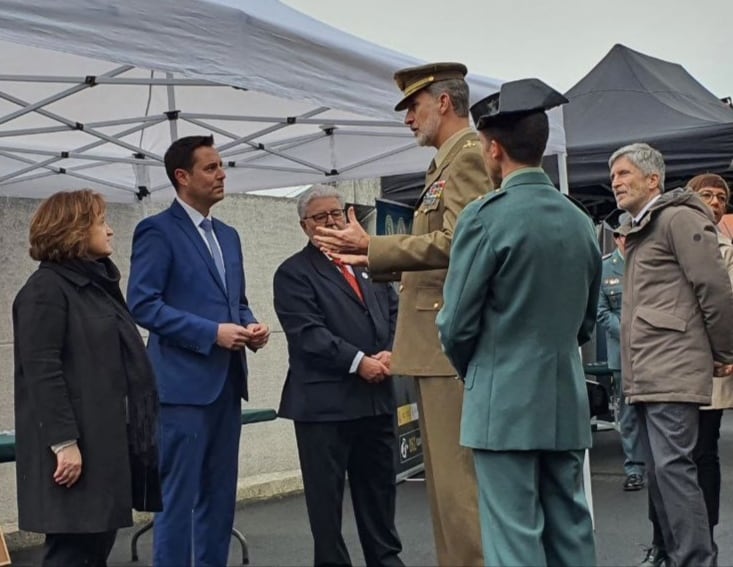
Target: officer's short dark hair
x=180, y=155
x=524, y=138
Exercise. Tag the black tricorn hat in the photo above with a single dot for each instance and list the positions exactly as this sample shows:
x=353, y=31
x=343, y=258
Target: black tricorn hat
x=515, y=99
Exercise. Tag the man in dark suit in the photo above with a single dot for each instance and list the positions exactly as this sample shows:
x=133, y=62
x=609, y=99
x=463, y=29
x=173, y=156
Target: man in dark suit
x=187, y=288
x=339, y=327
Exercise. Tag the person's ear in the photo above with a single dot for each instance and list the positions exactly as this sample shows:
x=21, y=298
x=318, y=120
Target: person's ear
x=181, y=176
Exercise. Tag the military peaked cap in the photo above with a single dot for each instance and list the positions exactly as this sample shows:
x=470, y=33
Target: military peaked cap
x=414, y=79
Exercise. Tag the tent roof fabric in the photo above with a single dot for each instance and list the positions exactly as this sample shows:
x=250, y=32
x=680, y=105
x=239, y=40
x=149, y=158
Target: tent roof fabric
x=631, y=97
x=95, y=92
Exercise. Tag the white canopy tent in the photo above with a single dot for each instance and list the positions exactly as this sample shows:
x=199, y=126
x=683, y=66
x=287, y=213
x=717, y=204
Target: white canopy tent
x=92, y=93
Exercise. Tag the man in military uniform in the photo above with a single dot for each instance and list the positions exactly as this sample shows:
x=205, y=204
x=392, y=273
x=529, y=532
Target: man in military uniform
x=514, y=339
x=609, y=317
x=436, y=99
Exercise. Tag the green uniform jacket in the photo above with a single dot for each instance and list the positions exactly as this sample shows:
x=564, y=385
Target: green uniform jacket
x=520, y=297
x=609, y=306
x=458, y=179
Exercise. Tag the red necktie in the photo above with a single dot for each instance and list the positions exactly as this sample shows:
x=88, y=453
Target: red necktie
x=349, y=278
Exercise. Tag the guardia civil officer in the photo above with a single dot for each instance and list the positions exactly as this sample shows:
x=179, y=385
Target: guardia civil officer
x=609, y=318
x=514, y=339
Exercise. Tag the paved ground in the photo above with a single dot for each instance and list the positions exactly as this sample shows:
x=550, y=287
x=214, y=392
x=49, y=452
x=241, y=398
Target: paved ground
x=277, y=530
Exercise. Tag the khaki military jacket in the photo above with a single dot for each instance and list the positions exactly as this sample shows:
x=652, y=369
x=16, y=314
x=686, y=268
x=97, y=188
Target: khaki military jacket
x=456, y=180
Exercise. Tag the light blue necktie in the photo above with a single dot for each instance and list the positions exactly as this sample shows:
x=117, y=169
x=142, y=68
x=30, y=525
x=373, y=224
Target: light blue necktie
x=215, y=252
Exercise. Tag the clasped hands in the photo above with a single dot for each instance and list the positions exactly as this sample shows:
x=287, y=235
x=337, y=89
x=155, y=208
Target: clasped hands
x=375, y=368
x=349, y=244
x=235, y=337
x=720, y=369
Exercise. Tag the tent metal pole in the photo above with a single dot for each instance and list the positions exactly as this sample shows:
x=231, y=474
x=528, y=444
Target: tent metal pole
x=173, y=124
x=274, y=128
x=259, y=147
x=298, y=120
x=562, y=172
x=103, y=137
x=90, y=146
x=70, y=155
x=399, y=150
x=102, y=80
x=30, y=107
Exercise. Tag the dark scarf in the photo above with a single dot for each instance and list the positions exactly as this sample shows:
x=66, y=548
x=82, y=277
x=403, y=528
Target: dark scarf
x=142, y=395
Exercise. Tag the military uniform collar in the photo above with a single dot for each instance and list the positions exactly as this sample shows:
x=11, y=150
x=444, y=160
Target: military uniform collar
x=448, y=145
x=520, y=171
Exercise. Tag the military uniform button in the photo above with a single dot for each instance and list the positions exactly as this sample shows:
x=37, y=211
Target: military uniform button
x=402, y=287
x=436, y=305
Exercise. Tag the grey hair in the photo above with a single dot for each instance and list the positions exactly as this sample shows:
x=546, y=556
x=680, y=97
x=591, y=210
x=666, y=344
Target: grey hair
x=318, y=191
x=456, y=89
x=643, y=156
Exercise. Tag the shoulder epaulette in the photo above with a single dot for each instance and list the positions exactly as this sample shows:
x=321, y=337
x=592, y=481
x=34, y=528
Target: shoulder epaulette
x=491, y=196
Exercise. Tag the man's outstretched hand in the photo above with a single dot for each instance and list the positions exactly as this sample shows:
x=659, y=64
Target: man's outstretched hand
x=352, y=239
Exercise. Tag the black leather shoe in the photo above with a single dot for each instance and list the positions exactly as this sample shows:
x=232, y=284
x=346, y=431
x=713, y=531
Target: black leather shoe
x=634, y=482
x=655, y=556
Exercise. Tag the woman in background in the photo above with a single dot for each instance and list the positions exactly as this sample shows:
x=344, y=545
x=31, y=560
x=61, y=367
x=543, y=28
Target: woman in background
x=85, y=397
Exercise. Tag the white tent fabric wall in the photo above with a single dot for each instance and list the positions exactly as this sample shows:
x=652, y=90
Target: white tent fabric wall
x=96, y=91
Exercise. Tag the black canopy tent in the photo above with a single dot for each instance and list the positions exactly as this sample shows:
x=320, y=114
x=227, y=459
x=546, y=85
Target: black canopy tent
x=629, y=97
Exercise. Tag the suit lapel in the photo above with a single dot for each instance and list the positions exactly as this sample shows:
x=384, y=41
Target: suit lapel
x=330, y=271
x=370, y=300
x=194, y=237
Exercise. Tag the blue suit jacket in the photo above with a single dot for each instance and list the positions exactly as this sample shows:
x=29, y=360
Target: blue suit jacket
x=326, y=324
x=176, y=293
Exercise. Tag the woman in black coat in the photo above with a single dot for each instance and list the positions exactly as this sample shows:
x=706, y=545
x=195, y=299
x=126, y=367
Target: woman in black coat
x=85, y=397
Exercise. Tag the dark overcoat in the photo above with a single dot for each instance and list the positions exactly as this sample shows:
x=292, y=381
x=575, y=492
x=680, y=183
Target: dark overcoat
x=69, y=384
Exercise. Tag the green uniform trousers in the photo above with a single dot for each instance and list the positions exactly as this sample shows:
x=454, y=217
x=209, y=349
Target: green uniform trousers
x=533, y=508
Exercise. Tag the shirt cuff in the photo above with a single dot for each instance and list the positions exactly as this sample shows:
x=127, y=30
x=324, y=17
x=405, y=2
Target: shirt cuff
x=58, y=446
x=355, y=363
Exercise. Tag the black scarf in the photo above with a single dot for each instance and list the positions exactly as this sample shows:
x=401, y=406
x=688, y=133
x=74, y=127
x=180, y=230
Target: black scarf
x=142, y=395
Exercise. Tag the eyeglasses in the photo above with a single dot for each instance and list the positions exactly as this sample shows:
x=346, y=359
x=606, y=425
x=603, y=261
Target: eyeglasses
x=708, y=197
x=321, y=218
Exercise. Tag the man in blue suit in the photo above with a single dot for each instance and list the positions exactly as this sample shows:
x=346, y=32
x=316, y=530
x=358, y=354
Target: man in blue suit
x=340, y=327
x=187, y=288
x=519, y=298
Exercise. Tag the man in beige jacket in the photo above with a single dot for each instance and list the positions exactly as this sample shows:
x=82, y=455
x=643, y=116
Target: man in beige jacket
x=676, y=327
x=436, y=99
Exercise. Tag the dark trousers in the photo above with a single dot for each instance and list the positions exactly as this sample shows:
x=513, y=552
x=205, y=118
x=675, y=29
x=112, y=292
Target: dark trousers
x=89, y=550
x=199, y=457
x=669, y=433
x=706, y=458
x=363, y=448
